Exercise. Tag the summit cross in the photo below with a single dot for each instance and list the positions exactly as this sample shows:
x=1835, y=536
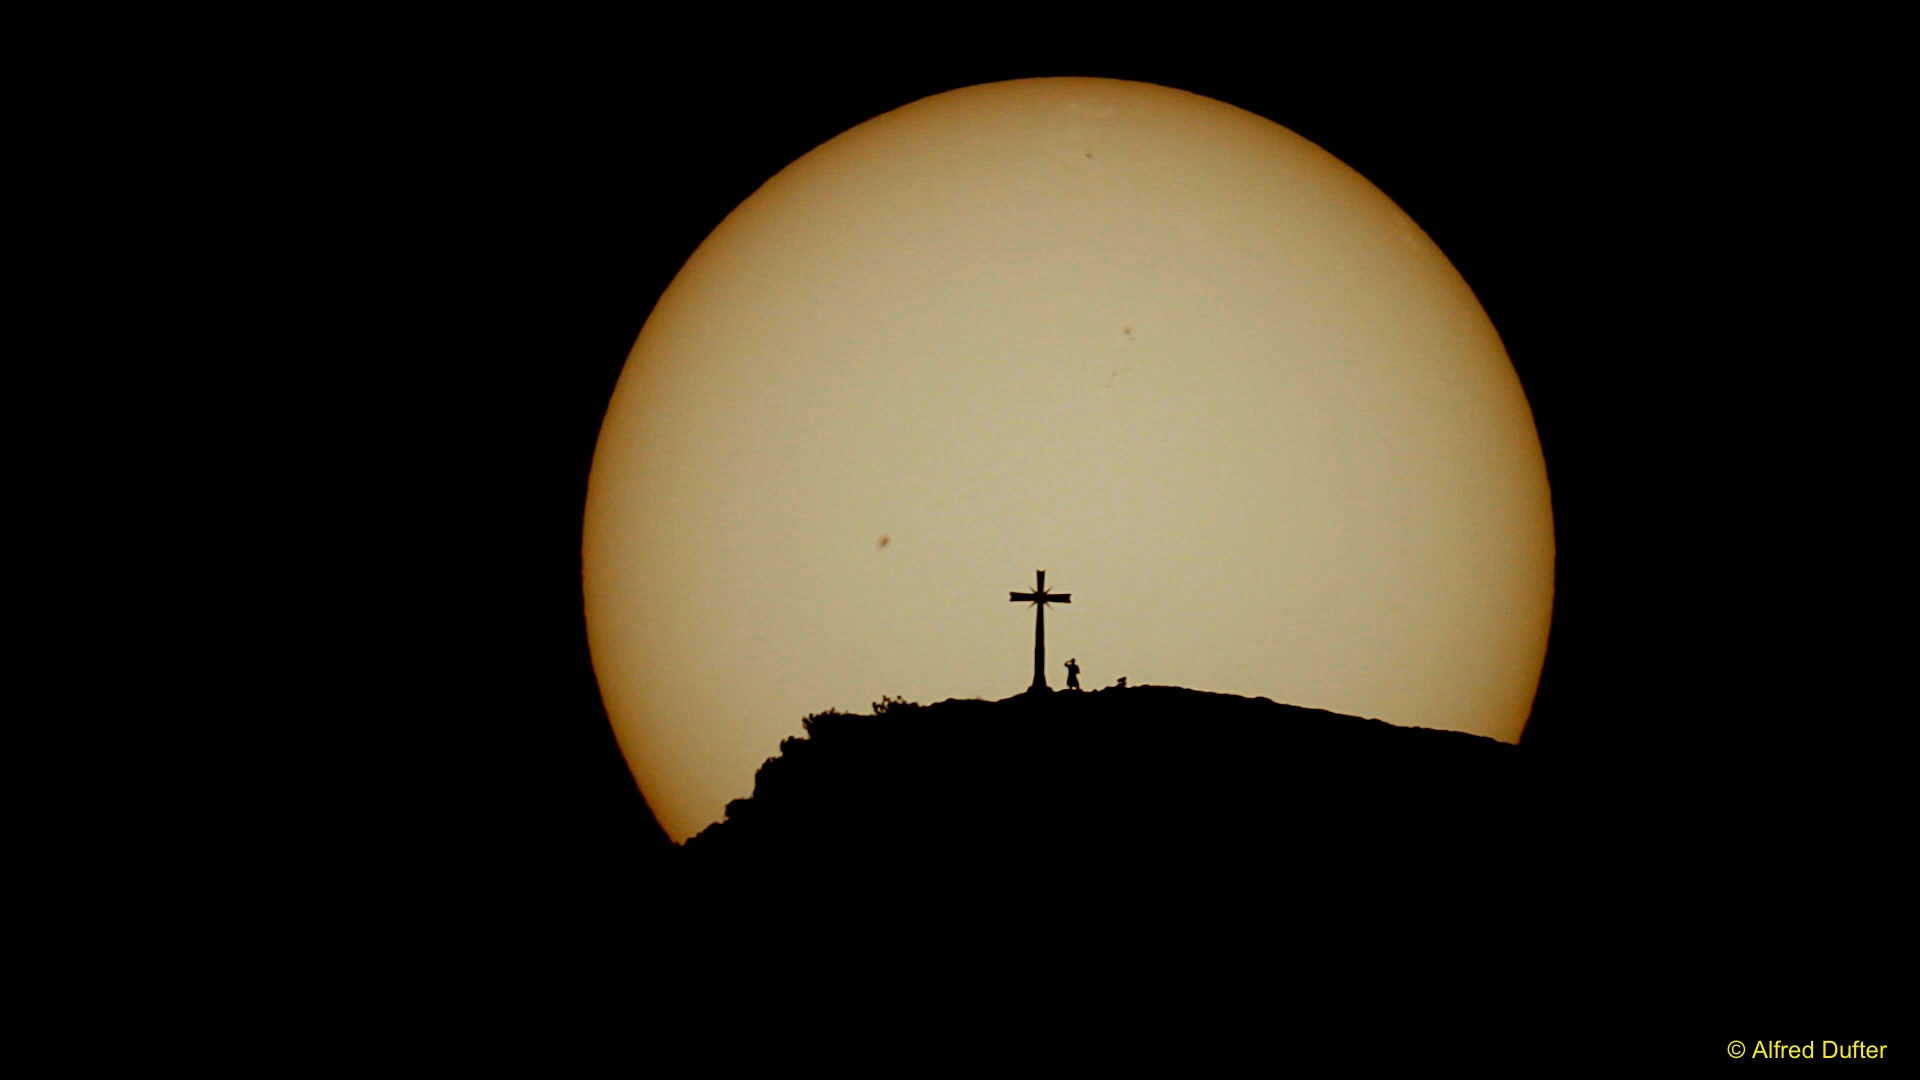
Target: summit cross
x=1040, y=598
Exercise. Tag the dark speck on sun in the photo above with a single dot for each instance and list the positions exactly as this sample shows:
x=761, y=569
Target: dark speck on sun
x=885, y=540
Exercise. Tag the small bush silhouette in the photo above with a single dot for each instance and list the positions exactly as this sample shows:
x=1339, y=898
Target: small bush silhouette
x=888, y=705
x=813, y=724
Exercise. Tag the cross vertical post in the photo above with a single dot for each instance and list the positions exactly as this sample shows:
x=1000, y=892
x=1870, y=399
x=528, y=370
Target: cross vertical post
x=1040, y=598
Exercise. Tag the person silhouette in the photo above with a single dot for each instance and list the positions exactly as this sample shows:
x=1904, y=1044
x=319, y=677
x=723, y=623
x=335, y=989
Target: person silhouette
x=1073, y=675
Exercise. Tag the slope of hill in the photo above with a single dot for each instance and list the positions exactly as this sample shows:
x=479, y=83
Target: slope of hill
x=1119, y=784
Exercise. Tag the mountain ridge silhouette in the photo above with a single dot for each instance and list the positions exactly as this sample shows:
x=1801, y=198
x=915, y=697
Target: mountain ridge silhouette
x=1144, y=780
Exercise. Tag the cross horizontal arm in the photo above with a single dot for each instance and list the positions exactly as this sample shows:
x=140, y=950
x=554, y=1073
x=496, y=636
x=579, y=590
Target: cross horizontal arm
x=1044, y=598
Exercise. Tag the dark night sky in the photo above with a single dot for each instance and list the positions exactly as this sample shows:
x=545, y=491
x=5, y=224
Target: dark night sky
x=1671, y=265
